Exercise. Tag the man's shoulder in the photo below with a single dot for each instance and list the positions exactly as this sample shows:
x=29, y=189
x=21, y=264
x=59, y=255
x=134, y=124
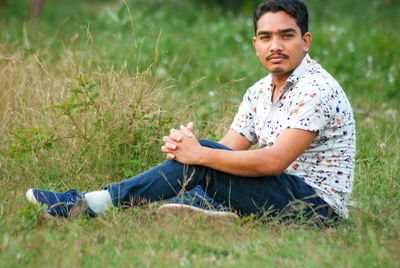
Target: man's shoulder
x=317, y=78
x=319, y=74
x=319, y=85
x=261, y=86
x=310, y=74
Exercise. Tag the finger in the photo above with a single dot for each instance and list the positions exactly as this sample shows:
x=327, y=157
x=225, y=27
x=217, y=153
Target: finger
x=170, y=156
x=164, y=149
x=187, y=132
x=190, y=126
x=175, y=136
x=172, y=138
x=170, y=146
x=165, y=139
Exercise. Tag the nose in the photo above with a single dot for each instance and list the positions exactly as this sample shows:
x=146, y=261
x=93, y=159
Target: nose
x=276, y=45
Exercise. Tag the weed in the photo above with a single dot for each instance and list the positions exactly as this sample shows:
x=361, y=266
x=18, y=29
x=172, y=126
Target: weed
x=31, y=216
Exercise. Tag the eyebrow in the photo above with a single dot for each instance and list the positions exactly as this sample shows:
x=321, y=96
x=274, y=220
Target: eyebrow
x=288, y=30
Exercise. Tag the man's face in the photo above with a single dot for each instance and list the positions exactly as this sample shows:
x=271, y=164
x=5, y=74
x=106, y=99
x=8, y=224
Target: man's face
x=279, y=43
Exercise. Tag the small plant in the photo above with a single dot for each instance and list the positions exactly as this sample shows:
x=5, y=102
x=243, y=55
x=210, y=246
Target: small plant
x=31, y=216
x=82, y=99
x=28, y=140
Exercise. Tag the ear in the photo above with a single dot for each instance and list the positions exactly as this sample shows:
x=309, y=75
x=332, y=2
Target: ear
x=307, y=41
x=254, y=41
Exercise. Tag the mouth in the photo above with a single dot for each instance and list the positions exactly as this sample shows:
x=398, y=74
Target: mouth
x=277, y=58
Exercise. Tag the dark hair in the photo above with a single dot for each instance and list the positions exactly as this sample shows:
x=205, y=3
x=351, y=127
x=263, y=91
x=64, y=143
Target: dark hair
x=295, y=8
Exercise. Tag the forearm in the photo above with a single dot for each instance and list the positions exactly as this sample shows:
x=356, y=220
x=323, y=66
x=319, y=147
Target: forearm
x=253, y=163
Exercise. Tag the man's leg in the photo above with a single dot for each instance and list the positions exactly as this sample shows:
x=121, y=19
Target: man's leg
x=246, y=195
x=284, y=195
x=276, y=195
x=167, y=180
x=287, y=196
x=198, y=197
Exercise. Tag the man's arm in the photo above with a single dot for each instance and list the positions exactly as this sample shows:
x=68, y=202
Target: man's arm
x=254, y=163
x=235, y=141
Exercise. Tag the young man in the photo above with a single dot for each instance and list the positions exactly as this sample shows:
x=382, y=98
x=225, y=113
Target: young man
x=298, y=114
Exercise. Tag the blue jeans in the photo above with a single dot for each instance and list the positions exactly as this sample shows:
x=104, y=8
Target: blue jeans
x=285, y=195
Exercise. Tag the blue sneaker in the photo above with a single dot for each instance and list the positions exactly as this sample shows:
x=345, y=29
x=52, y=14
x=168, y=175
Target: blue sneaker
x=69, y=204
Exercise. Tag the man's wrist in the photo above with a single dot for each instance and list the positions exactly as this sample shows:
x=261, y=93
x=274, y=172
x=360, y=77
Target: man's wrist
x=203, y=156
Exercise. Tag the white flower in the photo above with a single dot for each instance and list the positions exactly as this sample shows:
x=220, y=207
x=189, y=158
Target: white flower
x=369, y=59
x=350, y=46
x=391, y=78
x=238, y=38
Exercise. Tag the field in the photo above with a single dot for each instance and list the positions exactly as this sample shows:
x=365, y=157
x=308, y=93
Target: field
x=88, y=90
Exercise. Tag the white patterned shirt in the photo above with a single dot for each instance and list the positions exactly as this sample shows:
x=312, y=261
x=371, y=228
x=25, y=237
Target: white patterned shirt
x=311, y=100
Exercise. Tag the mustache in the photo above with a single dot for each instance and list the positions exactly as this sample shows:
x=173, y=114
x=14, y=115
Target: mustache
x=285, y=56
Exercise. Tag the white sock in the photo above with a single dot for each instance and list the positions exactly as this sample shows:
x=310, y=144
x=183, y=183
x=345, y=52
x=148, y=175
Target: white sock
x=99, y=201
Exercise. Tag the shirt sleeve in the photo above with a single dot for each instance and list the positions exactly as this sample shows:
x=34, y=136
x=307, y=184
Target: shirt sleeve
x=243, y=123
x=312, y=110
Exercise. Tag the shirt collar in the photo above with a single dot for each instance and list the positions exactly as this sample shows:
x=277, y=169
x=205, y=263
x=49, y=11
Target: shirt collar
x=299, y=71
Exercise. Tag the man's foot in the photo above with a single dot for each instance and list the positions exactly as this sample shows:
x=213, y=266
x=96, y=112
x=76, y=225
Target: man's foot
x=69, y=204
x=184, y=210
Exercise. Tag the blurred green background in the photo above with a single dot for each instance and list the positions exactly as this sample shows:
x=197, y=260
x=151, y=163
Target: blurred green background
x=357, y=41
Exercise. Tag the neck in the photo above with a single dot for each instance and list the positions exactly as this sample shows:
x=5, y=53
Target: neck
x=279, y=80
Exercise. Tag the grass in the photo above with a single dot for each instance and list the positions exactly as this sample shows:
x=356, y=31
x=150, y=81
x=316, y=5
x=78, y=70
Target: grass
x=87, y=93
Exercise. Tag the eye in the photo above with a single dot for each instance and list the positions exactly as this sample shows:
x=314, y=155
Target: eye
x=265, y=37
x=288, y=36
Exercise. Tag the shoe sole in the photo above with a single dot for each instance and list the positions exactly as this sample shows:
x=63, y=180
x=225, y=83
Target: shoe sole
x=31, y=197
x=187, y=210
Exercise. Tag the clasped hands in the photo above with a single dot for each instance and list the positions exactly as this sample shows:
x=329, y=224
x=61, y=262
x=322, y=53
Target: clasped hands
x=182, y=146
